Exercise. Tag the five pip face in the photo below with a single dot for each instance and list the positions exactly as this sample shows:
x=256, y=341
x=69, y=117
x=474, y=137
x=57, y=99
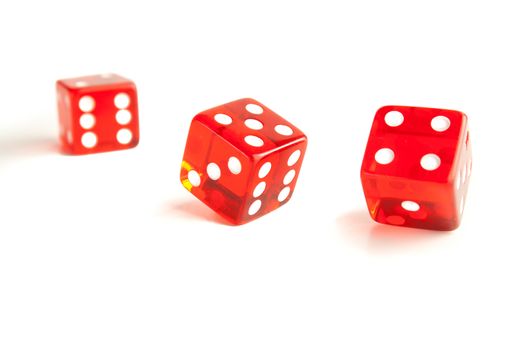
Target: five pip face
x=242, y=159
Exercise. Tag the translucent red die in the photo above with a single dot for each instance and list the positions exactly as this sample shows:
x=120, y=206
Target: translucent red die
x=242, y=159
x=417, y=166
x=97, y=113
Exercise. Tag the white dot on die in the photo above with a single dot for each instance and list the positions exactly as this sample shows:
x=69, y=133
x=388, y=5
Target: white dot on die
x=86, y=104
x=254, y=141
x=384, y=156
x=223, y=119
x=264, y=170
x=123, y=116
x=87, y=120
x=294, y=158
x=410, y=206
x=80, y=84
x=124, y=136
x=284, y=130
x=253, y=124
x=254, y=208
x=394, y=118
x=213, y=170
x=285, y=192
x=259, y=189
x=194, y=178
x=440, y=123
x=121, y=100
x=430, y=162
x=254, y=109
x=235, y=166
x=288, y=178
x=89, y=140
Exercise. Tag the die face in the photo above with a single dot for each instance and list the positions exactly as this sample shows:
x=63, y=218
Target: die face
x=226, y=148
x=412, y=140
x=250, y=127
x=410, y=168
x=97, y=114
x=273, y=180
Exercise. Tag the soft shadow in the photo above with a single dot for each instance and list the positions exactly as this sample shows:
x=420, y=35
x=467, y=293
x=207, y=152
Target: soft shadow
x=359, y=227
x=196, y=210
x=26, y=146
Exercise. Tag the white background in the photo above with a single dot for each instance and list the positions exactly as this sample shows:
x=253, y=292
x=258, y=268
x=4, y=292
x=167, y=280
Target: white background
x=109, y=251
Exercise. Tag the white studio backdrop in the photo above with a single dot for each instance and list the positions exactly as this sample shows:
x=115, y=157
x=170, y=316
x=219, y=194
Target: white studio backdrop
x=109, y=251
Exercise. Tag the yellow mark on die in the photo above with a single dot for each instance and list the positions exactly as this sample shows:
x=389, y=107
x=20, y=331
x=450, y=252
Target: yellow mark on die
x=186, y=166
x=374, y=208
x=185, y=181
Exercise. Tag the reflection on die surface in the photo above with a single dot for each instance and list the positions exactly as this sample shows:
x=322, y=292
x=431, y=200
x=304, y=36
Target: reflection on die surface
x=417, y=166
x=97, y=113
x=242, y=159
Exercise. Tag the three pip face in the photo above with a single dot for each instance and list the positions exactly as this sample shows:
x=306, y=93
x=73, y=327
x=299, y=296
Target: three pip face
x=243, y=160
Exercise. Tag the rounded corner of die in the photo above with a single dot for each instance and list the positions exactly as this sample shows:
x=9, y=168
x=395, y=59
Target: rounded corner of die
x=135, y=143
x=248, y=100
x=376, y=220
x=132, y=89
x=380, y=114
x=235, y=222
x=199, y=118
x=372, y=216
x=62, y=87
x=64, y=149
x=384, y=109
x=302, y=142
x=455, y=227
x=450, y=227
x=464, y=117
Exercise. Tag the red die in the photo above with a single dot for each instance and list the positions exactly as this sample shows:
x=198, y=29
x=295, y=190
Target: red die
x=97, y=113
x=417, y=166
x=242, y=159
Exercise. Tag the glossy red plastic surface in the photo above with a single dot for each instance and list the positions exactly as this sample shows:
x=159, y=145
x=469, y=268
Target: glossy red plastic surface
x=97, y=113
x=417, y=166
x=242, y=159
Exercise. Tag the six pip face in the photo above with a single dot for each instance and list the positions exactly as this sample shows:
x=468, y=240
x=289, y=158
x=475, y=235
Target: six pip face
x=97, y=113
